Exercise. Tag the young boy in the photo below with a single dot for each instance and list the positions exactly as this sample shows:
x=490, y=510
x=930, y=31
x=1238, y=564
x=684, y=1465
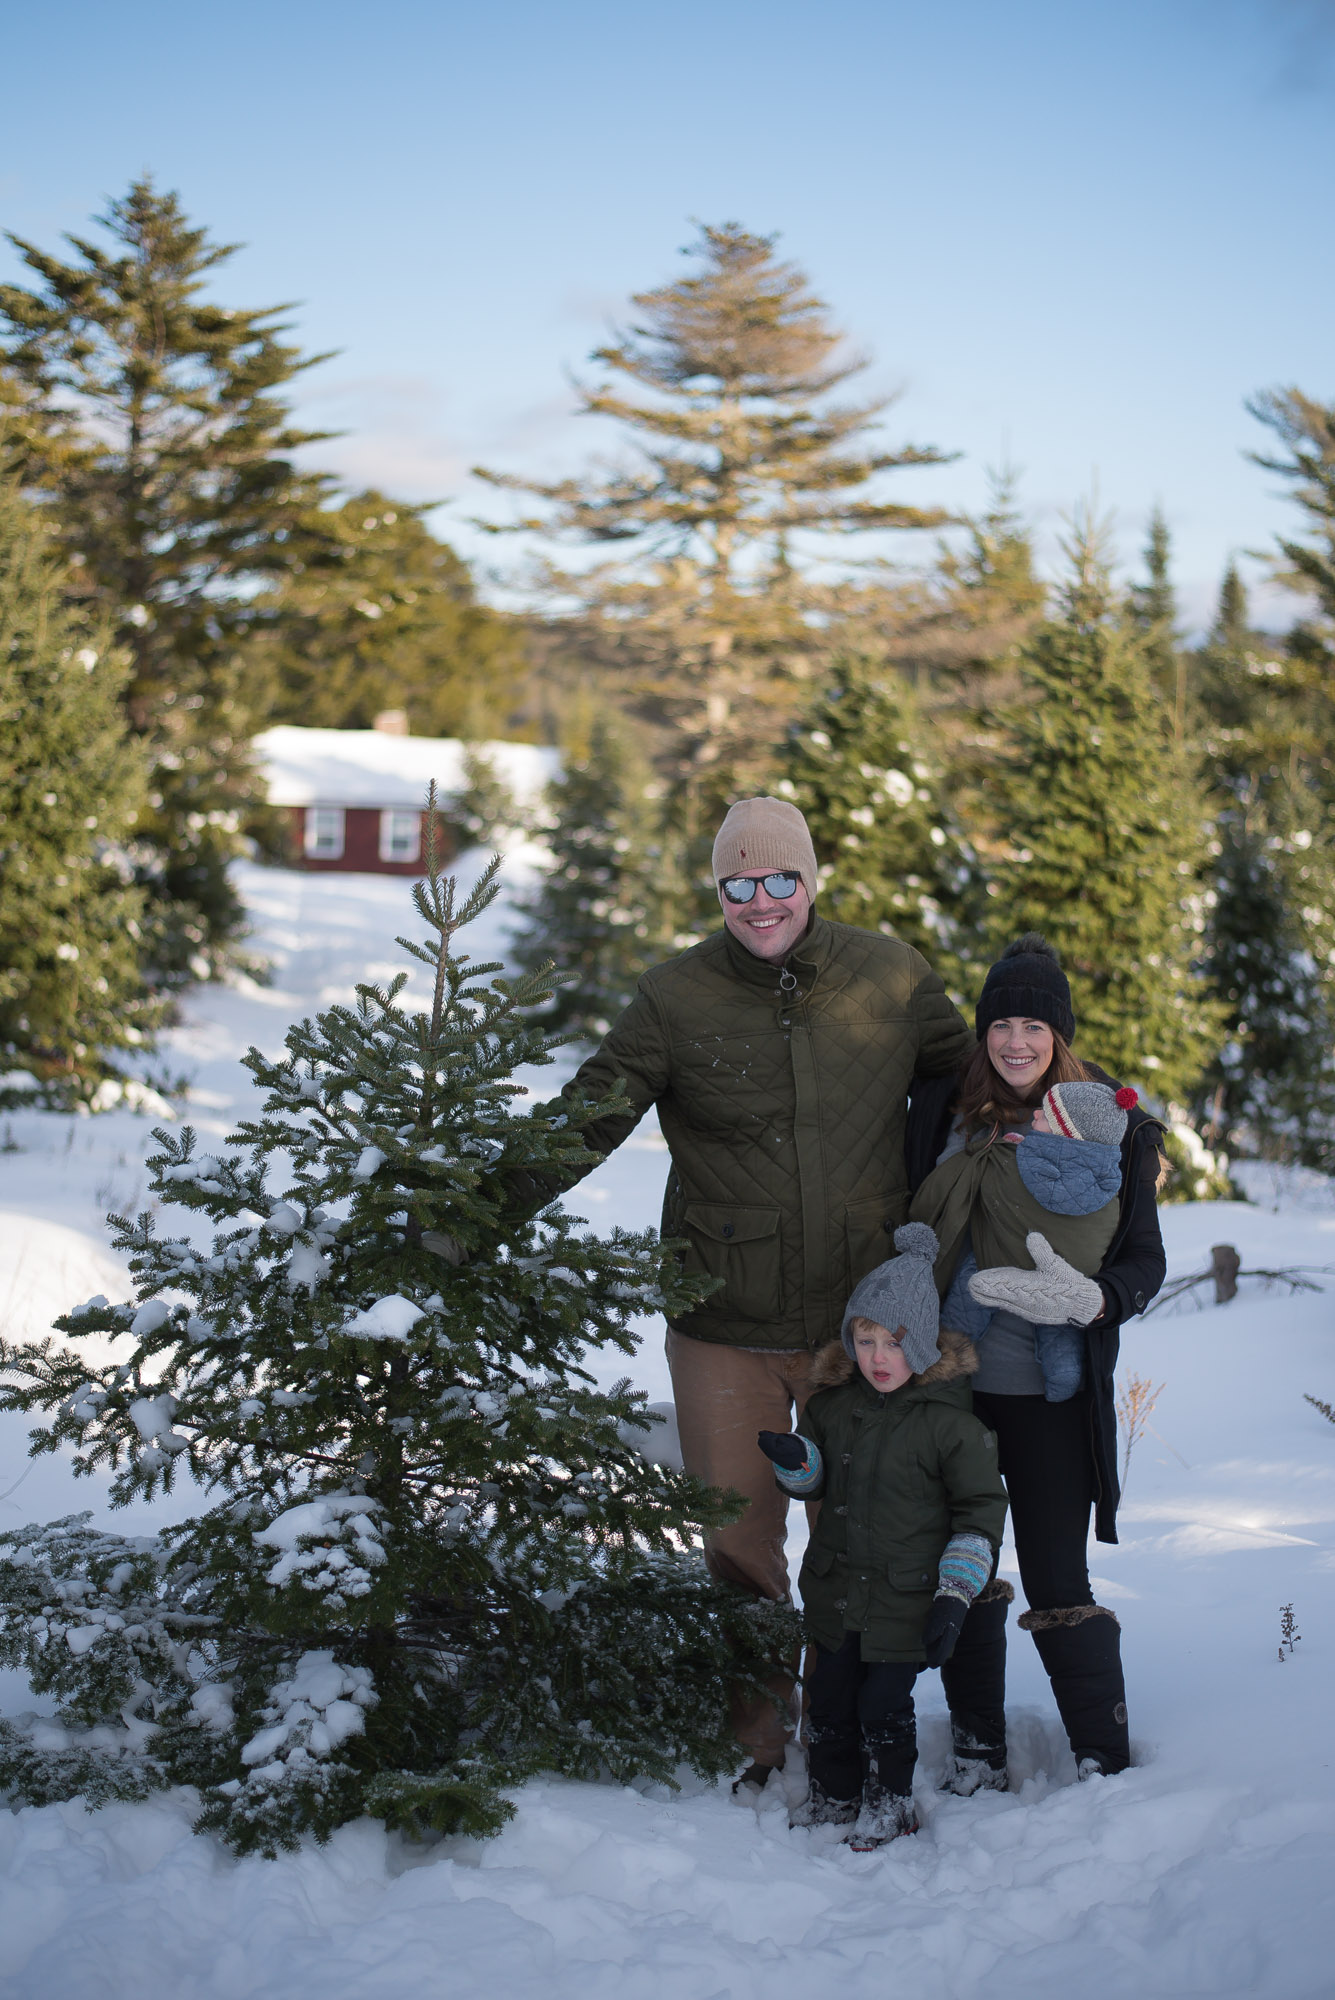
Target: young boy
x=910, y=1523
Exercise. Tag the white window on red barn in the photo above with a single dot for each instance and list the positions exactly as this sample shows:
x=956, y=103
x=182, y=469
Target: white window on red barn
x=400, y=836
x=324, y=833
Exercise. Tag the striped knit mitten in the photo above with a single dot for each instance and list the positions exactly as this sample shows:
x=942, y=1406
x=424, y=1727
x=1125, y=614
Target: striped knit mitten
x=798, y=1465
x=965, y=1566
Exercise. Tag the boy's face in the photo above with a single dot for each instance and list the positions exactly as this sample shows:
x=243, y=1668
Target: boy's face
x=880, y=1356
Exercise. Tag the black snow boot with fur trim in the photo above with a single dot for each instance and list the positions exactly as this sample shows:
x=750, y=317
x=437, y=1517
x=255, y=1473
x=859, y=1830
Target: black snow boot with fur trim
x=974, y=1682
x=1080, y=1647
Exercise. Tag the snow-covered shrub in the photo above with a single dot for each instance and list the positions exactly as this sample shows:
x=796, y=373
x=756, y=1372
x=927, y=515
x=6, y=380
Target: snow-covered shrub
x=1195, y=1172
x=439, y=1558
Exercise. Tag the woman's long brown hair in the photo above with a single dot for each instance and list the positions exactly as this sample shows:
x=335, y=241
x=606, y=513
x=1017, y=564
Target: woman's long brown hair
x=985, y=1097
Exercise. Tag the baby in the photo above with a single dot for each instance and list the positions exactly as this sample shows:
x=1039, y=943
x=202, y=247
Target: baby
x=1070, y=1167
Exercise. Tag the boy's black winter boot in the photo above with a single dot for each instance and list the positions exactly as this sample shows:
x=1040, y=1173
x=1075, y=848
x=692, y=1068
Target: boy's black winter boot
x=887, y=1798
x=974, y=1681
x=1080, y=1647
x=819, y=1809
x=890, y=1756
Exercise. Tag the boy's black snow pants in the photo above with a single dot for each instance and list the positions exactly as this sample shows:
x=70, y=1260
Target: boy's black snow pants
x=861, y=1733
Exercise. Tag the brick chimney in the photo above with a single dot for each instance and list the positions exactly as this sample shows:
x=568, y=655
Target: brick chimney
x=391, y=722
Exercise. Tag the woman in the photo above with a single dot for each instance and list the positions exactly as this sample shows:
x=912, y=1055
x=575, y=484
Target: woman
x=1059, y=1460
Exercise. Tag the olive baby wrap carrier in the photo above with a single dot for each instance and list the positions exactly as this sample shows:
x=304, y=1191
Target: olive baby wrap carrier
x=984, y=1201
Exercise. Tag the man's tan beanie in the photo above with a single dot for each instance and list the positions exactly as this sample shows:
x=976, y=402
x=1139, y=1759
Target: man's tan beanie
x=768, y=834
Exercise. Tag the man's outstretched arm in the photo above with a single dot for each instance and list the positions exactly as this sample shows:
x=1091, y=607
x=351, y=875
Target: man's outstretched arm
x=633, y=1053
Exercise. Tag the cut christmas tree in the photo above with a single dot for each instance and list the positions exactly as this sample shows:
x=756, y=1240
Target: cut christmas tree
x=440, y=1558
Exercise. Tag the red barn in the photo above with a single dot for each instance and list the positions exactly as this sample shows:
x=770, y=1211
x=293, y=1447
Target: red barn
x=354, y=797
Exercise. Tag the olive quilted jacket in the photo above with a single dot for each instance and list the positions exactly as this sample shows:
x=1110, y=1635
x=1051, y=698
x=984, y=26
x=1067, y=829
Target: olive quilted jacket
x=781, y=1092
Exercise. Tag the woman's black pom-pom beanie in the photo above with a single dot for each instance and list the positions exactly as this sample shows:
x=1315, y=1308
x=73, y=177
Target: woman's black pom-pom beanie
x=1027, y=980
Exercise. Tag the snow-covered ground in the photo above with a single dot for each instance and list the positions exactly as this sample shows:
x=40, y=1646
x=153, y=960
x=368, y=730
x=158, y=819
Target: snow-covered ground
x=1205, y=1870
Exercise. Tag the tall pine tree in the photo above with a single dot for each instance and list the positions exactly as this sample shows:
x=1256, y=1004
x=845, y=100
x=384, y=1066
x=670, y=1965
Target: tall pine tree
x=709, y=605
x=72, y=787
x=1106, y=834
x=891, y=855
x=152, y=422
x=440, y=1559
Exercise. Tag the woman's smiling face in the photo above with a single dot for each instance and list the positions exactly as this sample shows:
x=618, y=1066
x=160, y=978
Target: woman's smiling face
x=1020, y=1050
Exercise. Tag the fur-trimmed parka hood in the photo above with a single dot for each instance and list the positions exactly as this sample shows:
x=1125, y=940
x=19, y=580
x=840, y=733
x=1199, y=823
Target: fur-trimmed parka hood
x=833, y=1366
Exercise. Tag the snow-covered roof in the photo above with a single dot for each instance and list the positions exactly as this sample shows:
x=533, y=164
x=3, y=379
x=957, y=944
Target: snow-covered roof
x=369, y=767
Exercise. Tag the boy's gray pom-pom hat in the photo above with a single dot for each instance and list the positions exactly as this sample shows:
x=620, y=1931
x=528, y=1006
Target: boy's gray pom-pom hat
x=902, y=1292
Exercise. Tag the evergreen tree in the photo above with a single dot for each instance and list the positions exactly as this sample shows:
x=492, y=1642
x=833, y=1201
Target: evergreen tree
x=1270, y=941
x=72, y=786
x=956, y=638
x=152, y=423
x=375, y=613
x=1306, y=429
x=1107, y=832
x=1153, y=608
x=602, y=913
x=984, y=602
x=891, y=855
x=486, y=807
x=709, y=609
x=440, y=1559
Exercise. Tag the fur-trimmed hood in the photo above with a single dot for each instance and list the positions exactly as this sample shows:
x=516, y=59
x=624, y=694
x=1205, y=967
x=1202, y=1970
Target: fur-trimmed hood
x=832, y=1365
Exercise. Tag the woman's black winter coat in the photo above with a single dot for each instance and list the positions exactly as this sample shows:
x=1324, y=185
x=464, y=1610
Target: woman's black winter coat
x=1130, y=1274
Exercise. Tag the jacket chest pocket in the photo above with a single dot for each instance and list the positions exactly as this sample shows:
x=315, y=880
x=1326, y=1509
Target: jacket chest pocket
x=869, y=1230
x=742, y=1246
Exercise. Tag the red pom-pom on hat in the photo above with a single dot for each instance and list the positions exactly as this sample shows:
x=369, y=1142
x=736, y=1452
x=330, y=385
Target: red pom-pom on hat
x=1126, y=1097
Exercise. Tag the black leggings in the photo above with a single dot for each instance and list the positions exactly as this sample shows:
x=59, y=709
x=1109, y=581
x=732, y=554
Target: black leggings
x=1046, y=1454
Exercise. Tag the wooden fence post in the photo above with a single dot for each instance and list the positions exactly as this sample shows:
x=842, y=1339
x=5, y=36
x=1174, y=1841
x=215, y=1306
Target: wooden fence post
x=1224, y=1262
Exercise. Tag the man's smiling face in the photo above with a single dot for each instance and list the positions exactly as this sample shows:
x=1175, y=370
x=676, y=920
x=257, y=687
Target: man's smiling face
x=767, y=926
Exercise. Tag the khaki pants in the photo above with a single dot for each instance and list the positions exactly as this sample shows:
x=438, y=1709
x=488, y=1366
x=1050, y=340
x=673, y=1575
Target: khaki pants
x=724, y=1395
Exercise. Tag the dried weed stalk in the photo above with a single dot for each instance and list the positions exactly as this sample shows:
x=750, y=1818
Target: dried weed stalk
x=1135, y=1402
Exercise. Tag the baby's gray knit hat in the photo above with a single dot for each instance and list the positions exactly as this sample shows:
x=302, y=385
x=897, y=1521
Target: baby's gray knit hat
x=902, y=1292
x=1093, y=1111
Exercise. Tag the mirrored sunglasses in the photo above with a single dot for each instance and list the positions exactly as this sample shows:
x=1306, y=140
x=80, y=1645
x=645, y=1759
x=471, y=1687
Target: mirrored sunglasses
x=742, y=888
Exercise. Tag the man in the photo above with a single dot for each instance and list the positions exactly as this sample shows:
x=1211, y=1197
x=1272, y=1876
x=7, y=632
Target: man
x=779, y=1054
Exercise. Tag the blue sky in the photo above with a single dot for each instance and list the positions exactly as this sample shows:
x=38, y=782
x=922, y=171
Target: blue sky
x=1074, y=235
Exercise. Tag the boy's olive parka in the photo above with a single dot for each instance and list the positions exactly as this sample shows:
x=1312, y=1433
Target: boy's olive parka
x=903, y=1473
